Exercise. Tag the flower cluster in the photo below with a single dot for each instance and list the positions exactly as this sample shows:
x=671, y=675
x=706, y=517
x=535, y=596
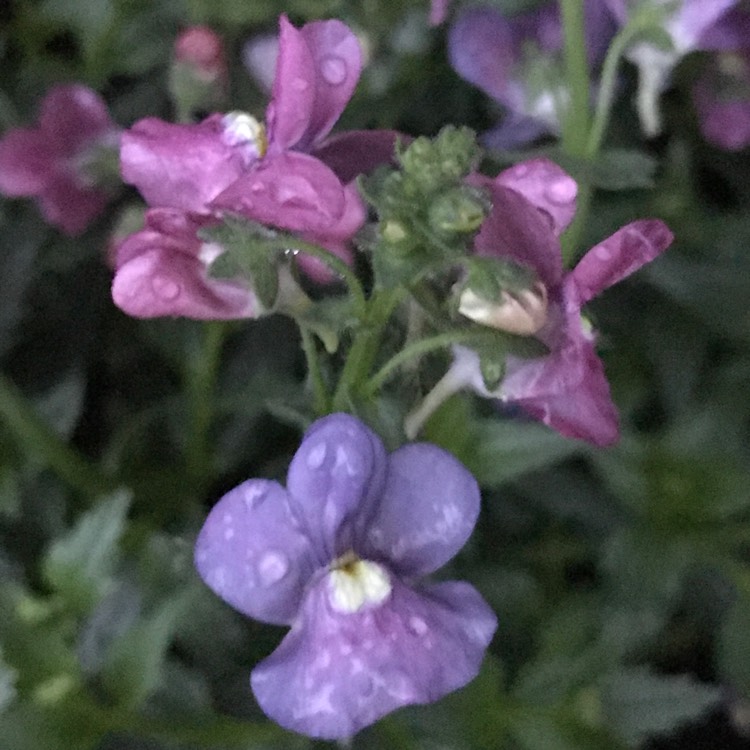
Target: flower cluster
x=337, y=556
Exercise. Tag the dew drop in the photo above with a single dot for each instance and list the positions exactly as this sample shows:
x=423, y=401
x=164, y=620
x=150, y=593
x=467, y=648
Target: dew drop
x=561, y=191
x=316, y=456
x=333, y=69
x=603, y=252
x=364, y=685
x=254, y=496
x=165, y=288
x=273, y=566
x=417, y=625
x=300, y=84
x=257, y=187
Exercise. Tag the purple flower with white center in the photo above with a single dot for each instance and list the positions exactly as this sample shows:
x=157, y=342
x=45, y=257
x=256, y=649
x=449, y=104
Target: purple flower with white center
x=687, y=23
x=337, y=555
x=504, y=57
x=532, y=204
x=163, y=270
x=55, y=162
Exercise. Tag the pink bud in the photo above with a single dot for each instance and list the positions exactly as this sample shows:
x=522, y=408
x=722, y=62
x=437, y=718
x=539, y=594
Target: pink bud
x=202, y=48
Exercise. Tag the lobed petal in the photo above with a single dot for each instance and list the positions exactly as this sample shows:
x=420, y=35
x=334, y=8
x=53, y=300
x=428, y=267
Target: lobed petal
x=70, y=207
x=337, y=60
x=618, y=256
x=349, y=670
x=289, y=112
x=357, y=152
x=516, y=230
x=426, y=513
x=545, y=185
x=291, y=191
x=251, y=553
x=73, y=117
x=179, y=166
x=27, y=162
x=334, y=481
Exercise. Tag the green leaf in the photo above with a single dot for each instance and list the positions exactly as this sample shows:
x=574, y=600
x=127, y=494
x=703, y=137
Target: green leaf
x=638, y=703
x=79, y=564
x=134, y=666
x=734, y=644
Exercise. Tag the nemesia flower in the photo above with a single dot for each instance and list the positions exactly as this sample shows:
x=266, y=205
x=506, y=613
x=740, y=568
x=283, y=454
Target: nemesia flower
x=55, y=161
x=515, y=61
x=337, y=555
x=687, y=22
x=532, y=203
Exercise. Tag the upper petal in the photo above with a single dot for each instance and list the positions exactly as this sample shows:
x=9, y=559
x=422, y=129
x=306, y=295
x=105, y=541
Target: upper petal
x=27, y=162
x=337, y=58
x=70, y=207
x=349, y=670
x=482, y=49
x=516, y=230
x=426, y=513
x=545, y=185
x=251, y=552
x=355, y=152
x=620, y=255
x=179, y=166
x=334, y=479
x=73, y=116
x=288, y=114
x=290, y=190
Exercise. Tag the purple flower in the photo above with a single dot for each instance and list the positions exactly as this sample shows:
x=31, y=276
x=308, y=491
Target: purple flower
x=687, y=24
x=337, y=556
x=532, y=203
x=54, y=161
x=515, y=61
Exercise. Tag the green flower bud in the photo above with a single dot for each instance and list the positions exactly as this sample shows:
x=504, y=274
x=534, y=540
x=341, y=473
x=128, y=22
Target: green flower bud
x=460, y=210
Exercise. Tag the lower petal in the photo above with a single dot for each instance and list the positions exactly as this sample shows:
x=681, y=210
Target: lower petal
x=349, y=670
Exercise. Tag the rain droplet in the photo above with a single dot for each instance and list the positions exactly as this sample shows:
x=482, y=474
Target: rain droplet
x=316, y=456
x=165, y=288
x=273, y=566
x=417, y=625
x=603, y=252
x=300, y=84
x=333, y=69
x=257, y=187
x=561, y=191
x=254, y=496
x=364, y=684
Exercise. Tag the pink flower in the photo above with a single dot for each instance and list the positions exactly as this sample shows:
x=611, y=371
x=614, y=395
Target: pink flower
x=53, y=161
x=532, y=203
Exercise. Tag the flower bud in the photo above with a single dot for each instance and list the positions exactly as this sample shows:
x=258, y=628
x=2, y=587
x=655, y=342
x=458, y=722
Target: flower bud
x=522, y=312
x=459, y=210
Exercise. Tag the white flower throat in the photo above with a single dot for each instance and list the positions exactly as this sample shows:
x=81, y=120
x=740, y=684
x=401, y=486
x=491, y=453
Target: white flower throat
x=244, y=131
x=356, y=584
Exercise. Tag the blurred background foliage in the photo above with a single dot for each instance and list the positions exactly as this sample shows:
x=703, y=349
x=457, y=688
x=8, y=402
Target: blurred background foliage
x=620, y=576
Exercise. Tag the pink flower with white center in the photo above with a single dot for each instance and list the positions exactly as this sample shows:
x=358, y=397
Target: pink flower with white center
x=532, y=204
x=338, y=556
x=55, y=162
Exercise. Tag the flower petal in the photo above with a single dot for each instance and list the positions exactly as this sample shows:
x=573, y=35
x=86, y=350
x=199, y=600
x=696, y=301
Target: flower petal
x=483, y=50
x=357, y=152
x=334, y=479
x=291, y=191
x=251, y=553
x=516, y=230
x=337, y=58
x=288, y=114
x=179, y=166
x=74, y=116
x=620, y=255
x=66, y=205
x=546, y=186
x=27, y=162
x=349, y=670
x=426, y=513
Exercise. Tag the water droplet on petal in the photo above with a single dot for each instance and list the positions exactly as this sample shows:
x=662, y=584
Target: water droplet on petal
x=273, y=566
x=603, y=252
x=417, y=625
x=316, y=456
x=561, y=191
x=165, y=289
x=300, y=84
x=254, y=496
x=363, y=684
x=333, y=69
x=257, y=187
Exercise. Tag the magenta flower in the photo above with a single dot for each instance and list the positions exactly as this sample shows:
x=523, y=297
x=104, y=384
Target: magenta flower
x=687, y=23
x=504, y=57
x=163, y=270
x=336, y=556
x=54, y=161
x=532, y=203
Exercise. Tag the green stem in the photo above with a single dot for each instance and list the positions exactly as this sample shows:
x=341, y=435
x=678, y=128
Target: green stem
x=200, y=381
x=322, y=399
x=576, y=120
x=23, y=422
x=572, y=237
